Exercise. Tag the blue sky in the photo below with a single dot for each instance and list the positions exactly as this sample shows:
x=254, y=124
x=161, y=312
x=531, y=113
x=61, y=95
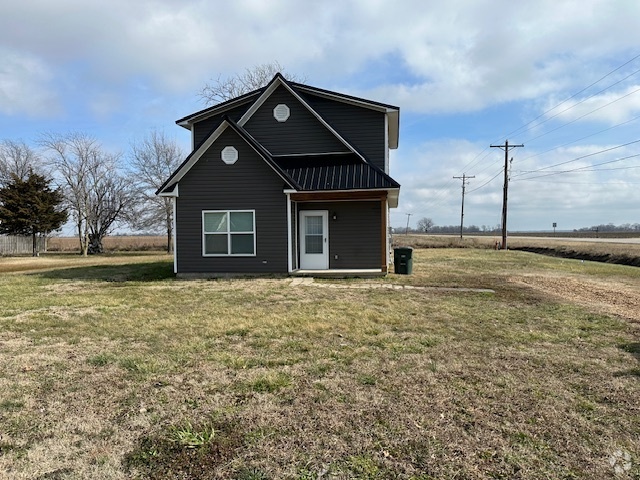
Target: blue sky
x=465, y=74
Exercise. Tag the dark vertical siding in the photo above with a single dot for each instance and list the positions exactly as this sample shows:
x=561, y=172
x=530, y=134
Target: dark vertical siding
x=355, y=234
x=205, y=127
x=301, y=133
x=361, y=127
x=248, y=184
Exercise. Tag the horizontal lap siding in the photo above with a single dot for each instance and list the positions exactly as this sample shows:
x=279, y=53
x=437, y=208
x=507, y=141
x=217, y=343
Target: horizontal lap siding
x=355, y=234
x=301, y=133
x=205, y=127
x=361, y=127
x=249, y=184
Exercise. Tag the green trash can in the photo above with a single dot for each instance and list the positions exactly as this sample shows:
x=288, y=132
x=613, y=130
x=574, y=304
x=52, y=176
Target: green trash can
x=403, y=260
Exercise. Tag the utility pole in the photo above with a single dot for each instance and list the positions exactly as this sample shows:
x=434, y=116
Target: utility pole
x=464, y=182
x=506, y=148
x=406, y=231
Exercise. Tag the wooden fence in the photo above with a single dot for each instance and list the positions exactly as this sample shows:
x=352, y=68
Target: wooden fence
x=16, y=245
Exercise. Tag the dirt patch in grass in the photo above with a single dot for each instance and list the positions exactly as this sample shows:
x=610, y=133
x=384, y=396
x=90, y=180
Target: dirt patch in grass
x=609, y=297
x=584, y=254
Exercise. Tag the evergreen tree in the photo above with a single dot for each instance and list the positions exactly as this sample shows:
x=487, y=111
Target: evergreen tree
x=31, y=207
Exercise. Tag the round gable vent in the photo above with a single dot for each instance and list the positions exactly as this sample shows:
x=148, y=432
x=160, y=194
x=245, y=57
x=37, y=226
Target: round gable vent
x=281, y=112
x=229, y=155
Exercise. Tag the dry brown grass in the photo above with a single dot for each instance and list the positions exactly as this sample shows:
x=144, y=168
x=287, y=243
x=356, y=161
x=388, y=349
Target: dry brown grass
x=107, y=369
x=114, y=243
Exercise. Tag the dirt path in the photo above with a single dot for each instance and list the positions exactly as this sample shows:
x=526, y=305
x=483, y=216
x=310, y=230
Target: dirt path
x=600, y=295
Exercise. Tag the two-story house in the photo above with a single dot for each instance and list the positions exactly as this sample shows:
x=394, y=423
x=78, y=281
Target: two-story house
x=289, y=178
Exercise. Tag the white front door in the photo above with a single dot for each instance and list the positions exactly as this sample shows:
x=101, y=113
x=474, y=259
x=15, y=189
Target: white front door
x=314, y=240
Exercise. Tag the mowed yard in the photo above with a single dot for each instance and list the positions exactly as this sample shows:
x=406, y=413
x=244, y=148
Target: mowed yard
x=111, y=368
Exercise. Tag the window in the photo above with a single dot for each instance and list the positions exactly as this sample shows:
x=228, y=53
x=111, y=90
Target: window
x=228, y=233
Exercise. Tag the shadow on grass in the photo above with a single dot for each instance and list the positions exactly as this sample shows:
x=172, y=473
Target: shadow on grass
x=129, y=272
x=634, y=349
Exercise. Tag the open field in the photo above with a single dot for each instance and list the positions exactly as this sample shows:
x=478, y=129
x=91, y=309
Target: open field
x=624, y=250
x=110, y=368
x=112, y=243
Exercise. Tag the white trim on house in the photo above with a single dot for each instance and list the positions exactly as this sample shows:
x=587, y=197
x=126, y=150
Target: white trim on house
x=172, y=193
x=175, y=237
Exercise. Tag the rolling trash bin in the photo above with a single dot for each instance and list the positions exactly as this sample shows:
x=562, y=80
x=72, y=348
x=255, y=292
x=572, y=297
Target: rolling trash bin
x=403, y=260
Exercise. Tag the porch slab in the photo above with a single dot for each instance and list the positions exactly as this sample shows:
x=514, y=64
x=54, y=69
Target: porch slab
x=340, y=273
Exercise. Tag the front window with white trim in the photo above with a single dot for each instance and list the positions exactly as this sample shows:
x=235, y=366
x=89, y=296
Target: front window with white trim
x=228, y=233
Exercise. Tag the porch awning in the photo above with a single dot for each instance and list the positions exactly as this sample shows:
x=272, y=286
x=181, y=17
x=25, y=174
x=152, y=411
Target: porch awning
x=334, y=172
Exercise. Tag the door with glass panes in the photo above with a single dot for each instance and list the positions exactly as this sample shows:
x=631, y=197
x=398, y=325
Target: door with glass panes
x=314, y=240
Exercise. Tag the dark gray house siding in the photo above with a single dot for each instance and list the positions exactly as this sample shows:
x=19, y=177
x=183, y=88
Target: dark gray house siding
x=355, y=235
x=301, y=133
x=203, y=128
x=249, y=184
x=361, y=127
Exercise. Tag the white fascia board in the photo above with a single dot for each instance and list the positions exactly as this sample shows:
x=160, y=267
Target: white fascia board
x=175, y=236
x=267, y=93
x=173, y=193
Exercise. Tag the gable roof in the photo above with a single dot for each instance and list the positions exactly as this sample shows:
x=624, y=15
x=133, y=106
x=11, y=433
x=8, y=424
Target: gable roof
x=335, y=171
x=168, y=187
x=393, y=112
x=247, y=98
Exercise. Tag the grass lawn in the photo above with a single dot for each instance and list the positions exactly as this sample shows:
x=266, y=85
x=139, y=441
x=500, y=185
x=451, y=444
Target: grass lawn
x=111, y=368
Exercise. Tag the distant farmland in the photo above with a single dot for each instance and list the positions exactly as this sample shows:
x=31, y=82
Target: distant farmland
x=116, y=243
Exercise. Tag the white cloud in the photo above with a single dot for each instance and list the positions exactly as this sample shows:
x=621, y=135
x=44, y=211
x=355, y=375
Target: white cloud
x=24, y=86
x=611, y=107
x=462, y=55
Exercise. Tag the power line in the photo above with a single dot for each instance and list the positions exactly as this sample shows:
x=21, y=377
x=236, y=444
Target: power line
x=579, y=169
x=519, y=129
x=585, y=115
x=486, y=183
x=577, y=158
x=582, y=138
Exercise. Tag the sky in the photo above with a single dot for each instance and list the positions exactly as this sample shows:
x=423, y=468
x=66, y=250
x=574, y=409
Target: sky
x=560, y=77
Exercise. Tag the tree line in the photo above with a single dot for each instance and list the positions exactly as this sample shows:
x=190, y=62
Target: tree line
x=426, y=225
x=73, y=178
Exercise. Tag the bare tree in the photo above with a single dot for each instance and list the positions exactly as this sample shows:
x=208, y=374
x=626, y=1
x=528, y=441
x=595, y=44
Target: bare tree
x=226, y=88
x=153, y=159
x=97, y=194
x=424, y=224
x=19, y=159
